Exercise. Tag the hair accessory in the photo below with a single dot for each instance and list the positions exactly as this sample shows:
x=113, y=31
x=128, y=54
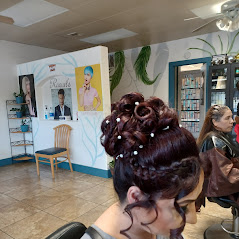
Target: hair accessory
x=107, y=121
x=166, y=128
x=119, y=156
x=136, y=103
x=180, y=126
x=152, y=135
x=141, y=146
x=118, y=120
x=119, y=137
x=135, y=152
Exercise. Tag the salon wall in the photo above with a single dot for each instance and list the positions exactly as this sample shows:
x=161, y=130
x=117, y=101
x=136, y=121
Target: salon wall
x=161, y=55
x=12, y=54
x=86, y=151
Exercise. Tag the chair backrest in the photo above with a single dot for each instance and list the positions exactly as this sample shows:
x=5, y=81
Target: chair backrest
x=62, y=135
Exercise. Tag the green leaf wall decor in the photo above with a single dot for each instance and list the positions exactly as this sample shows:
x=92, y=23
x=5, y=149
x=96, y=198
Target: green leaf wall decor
x=119, y=68
x=141, y=64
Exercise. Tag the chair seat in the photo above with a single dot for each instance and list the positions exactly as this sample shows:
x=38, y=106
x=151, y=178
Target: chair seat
x=51, y=151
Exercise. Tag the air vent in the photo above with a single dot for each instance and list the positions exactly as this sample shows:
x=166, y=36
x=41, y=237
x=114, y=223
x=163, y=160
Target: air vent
x=74, y=34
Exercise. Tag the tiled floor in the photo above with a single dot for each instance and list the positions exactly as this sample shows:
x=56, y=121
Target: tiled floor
x=32, y=207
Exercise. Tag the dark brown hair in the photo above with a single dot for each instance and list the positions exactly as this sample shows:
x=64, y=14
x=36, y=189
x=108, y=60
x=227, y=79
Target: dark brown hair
x=152, y=152
x=215, y=112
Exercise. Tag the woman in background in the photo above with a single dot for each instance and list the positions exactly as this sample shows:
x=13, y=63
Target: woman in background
x=157, y=174
x=220, y=153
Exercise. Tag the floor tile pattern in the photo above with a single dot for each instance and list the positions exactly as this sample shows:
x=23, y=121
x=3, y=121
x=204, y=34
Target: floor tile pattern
x=32, y=207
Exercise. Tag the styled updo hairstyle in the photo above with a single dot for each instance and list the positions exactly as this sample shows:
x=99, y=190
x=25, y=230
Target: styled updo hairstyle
x=151, y=152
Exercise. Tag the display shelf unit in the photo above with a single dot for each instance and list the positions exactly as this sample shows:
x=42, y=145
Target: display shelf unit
x=22, y=145
x=189, y=89
x=222, y=88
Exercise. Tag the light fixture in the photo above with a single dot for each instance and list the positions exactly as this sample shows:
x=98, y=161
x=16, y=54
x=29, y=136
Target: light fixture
x=228, y=25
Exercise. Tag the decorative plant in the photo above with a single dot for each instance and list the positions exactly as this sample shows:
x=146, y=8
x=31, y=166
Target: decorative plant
x=119, y=68
x=25, y=121
x=112, y=164
x=21, y=94
x=140, y=66
x=213, y=51
x=16, y=109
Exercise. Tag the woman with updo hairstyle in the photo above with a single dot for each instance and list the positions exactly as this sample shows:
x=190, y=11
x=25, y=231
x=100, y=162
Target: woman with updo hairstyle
x=157, y=174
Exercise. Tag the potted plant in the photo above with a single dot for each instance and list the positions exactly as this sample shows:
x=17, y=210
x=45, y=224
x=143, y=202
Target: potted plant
x=19, y=97
x=24, y=125
x=18, y=112
x=112, y=166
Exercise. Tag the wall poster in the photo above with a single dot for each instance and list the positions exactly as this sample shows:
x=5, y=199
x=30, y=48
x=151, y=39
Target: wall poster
x=26, y=83
x=88, y=86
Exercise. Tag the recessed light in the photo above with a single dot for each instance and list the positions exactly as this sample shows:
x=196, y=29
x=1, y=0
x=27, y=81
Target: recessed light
x=109, y=36
x=28, y=12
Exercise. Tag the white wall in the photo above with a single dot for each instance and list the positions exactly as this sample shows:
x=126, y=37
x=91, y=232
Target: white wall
x=161, y=55
x=12, y=54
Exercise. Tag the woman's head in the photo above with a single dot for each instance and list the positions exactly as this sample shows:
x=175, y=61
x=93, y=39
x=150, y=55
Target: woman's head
x=152, y=153
x=218, y=118
x=88, y=74
x=26, y=85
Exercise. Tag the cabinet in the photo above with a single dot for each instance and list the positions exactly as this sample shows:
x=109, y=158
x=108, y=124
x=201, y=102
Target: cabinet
x=222, y=88
x=189, y=100
x=21, y=143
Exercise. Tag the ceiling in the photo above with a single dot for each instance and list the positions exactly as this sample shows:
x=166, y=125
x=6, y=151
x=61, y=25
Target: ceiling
x=154, y=21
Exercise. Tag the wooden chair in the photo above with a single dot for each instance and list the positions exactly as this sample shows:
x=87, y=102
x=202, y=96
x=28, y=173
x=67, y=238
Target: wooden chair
x=60, y=149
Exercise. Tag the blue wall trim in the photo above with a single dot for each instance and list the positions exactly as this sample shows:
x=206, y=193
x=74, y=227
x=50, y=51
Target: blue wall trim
x=76, y=167
x=172, y=67
x=83, y=169
x=4, y=162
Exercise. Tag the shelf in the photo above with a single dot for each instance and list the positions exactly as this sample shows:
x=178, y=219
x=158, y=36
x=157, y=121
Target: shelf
x=191, y=99
x=14, y=116
x=18, y=131
x=189, y=120
x=21, y=143
x=13, y=102
x=191, y=88
x=191, y=110
x=22, y=157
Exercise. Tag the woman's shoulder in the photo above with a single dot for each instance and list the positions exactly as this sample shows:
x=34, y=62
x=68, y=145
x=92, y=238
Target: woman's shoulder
x=212, y=140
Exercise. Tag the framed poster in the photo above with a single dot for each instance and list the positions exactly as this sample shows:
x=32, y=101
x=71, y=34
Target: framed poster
x=26, y=83
x=89, y=90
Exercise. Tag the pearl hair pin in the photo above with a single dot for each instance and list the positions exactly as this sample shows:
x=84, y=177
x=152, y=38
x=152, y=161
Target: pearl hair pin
x=118, y=120
x=119, y=137
x=107, y=121
x=136, y=103
x=141, y=146
x=166, y=128
x=135, y=152
x=152, y=135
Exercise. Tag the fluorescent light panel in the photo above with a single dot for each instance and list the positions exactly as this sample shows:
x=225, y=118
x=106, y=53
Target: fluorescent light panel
x=29, y=12
x=109, y=36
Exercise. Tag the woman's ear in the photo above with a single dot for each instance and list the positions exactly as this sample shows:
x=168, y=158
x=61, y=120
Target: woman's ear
x=214, y=122
x=134, y=194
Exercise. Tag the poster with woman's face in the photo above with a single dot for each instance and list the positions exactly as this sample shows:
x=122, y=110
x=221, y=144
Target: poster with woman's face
x=26, y=83
x=88, y=86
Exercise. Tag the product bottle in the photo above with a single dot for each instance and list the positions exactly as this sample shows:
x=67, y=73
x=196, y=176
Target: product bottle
x=51, y=113
x=46, y=112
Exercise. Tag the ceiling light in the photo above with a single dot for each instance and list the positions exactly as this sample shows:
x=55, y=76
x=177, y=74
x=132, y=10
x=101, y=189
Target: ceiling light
x=226, y=24
x=29, y=12
x=109, y=36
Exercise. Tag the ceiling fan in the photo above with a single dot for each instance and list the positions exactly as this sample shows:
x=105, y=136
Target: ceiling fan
x=226, y=14
x=7, y=20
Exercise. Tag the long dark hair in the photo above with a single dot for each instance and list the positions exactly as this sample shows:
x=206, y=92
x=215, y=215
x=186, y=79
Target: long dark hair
x=152, y=152
x=215, y=112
